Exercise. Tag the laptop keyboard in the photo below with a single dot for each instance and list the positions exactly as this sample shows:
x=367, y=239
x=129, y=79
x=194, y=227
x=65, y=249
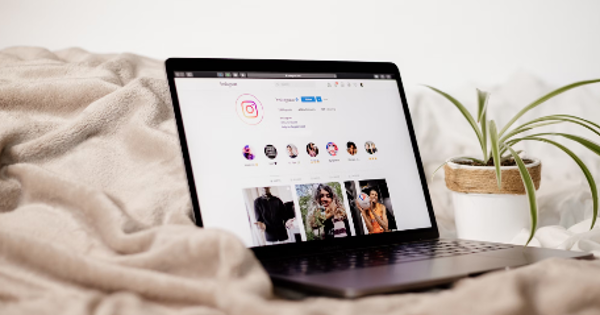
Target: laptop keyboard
x=385, y=255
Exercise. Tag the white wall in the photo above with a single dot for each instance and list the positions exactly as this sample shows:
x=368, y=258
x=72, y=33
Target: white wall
x=443, y=43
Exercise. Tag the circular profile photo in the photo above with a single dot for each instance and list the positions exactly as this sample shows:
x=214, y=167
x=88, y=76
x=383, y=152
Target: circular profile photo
x=248, y=153
x=351, y=148
x=332, y=148
x=292, y=151
x=370, y=147
x=270, y=151
x=312, y=149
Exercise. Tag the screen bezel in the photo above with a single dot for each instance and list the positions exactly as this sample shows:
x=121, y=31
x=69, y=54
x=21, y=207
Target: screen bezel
x=301, y=66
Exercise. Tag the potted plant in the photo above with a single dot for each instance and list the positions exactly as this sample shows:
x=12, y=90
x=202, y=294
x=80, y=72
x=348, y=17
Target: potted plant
x=495, y=194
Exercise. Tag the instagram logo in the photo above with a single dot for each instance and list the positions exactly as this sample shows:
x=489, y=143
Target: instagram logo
x=249, y=109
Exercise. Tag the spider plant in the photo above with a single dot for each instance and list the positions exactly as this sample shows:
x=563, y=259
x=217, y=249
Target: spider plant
x=497, y=145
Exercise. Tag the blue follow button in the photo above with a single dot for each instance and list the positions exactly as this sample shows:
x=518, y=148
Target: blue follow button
x=311, y=99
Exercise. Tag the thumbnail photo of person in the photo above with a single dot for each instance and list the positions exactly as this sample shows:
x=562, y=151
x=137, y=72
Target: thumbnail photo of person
x=351, y=148
x=332, y=148
x=271, y=215
x=323, y=211
x=371, y=206
x=247, y=152
x=370, y=147
x=292, y=151
x=312, y=149
x=270, y=151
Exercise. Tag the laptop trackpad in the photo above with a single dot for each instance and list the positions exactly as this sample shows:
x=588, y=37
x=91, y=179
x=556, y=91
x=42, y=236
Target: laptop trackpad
x=405, y=276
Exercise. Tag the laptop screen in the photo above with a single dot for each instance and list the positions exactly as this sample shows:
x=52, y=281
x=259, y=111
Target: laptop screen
x=283, y=158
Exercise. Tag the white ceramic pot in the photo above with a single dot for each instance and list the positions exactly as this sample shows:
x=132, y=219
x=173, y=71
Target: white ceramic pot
x=493, y=215
x=490, y=217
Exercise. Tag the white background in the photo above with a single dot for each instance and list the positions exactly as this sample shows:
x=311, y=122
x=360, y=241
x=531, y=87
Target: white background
x=442, y=43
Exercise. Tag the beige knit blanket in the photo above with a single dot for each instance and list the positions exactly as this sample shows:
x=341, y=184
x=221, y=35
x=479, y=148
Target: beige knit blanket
x=95, y=212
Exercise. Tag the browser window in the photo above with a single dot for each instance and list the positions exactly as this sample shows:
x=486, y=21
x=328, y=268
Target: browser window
x=300, y=157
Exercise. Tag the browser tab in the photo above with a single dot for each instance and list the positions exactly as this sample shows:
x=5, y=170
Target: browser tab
x=267, y=75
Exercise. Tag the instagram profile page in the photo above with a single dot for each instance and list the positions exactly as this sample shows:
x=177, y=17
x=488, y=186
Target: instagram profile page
x=287, y=161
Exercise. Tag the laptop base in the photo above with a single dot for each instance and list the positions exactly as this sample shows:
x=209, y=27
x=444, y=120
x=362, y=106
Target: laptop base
x=415, y=275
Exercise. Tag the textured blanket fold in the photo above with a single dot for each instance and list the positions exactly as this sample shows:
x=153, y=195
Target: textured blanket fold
x=95, y=211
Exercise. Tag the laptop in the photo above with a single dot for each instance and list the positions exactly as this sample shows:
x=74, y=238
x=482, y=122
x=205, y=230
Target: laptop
x=314, y=165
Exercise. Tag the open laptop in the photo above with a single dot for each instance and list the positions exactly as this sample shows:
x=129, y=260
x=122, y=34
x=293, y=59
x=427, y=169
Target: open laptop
x=314, y=165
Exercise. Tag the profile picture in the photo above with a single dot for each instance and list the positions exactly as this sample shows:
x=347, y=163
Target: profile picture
x=270, y=151
x=323, y=211
x=271, y=215
x=292, y=151
x=351, y=148
x=332, y=148
x=247, y=152
x=370, y=147
x=312, y=149
x=370, y=206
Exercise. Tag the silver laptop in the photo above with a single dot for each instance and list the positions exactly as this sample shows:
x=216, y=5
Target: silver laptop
x=314, y=165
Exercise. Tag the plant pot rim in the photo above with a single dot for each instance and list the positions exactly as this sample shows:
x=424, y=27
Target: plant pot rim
x=455, y=165
x=483, y=180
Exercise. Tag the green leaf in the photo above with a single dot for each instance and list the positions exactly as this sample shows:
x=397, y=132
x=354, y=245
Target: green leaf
x=583, y=122
x=482, y=103
x=527, y=127
x=584, y=169
x=594, y=147
x=529, y=189
x=543, y=99
x=484, y=130
x=579, y=118
x=438, y=168
x=552, y=119
x=495, y=152
x=465, y=113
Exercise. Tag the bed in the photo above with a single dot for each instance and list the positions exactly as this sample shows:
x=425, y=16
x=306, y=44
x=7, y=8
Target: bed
x=95, y=216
